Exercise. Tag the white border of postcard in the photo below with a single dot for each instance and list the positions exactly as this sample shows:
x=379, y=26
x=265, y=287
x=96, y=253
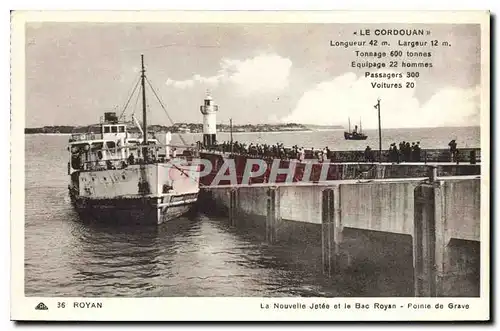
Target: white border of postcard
x=234, y=308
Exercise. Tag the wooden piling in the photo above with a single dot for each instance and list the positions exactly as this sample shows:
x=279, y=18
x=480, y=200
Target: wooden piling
x=427, y=251
x=331, y=230
x=273, y=214
x=233, y=205
x=440, y=240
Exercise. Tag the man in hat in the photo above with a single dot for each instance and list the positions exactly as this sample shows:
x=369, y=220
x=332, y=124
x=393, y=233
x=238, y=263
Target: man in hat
x=453, y=150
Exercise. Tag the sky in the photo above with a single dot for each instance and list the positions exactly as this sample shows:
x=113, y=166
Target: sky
x=256, y=73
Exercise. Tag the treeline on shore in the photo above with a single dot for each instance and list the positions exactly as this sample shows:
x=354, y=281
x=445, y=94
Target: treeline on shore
x=179, y=127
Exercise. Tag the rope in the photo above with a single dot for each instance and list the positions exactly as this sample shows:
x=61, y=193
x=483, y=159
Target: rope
x=163, y=107
x=129, y=98
x=136, y=102
x=362, y=172
x=187, y=175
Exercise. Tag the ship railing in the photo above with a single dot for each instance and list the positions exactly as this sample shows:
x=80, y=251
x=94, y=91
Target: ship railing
x=122, y=163
x=152, y=146
x=134, y=135
x=82, y=136
x=192, y=150
x=156, y=149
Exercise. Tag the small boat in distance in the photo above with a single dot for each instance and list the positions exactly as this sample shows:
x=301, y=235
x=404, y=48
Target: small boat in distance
x=354, y=134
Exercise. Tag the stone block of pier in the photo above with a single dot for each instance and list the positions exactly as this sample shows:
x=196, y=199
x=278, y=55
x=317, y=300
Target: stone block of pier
x=447, y=238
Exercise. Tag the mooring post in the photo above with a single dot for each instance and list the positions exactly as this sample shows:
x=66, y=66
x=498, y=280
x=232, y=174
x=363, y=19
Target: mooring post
x=327, y=232
x=423, y=240
x=440, y=239
x=337, y=219
x=273, y=214
x=331, y=230
x=432, y=173
x=233, y=196
x=429, y=243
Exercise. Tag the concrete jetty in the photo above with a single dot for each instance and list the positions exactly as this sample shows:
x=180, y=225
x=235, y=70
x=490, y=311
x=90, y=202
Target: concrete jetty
x=436, y=217
x=463, y=155
x=332, y=170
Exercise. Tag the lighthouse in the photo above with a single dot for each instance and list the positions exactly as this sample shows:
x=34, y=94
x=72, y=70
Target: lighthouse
x=209, y=127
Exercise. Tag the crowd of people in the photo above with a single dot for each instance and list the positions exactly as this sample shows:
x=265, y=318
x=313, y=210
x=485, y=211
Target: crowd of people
x=402, y=152
x=405, y=152
x=268, y=151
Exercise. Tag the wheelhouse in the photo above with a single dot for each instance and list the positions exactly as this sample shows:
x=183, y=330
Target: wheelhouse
x=111, y=149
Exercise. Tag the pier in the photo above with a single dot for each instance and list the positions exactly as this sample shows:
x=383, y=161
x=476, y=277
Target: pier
x=431, y=213
x=413, y=209
x=342, y=165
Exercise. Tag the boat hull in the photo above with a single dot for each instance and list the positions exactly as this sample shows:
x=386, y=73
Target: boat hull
x=134, y=210
x=137, y=194
x=359, y=136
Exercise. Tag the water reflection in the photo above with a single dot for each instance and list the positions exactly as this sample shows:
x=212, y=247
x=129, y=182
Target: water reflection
x=125, y=258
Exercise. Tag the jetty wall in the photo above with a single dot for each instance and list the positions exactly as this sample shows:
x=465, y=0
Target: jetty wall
x=326, y=171
x=436, y=224
x=468, y=155
x=426, y=155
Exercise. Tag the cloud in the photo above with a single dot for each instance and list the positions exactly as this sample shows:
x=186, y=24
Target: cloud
x=181, y=84
x=260, y=74
x=332, y=102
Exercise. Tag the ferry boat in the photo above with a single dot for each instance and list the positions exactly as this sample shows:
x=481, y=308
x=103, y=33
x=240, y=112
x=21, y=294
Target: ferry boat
x=117, y=175
x=355, y=135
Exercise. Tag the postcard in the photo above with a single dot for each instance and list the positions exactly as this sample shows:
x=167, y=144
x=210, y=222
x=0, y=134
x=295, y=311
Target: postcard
x=250, y=166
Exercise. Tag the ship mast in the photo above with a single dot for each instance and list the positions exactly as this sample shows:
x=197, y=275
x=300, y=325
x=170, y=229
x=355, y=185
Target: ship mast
x=231, y=133
x=144, y=116
x=145, y=152
x=379, y=133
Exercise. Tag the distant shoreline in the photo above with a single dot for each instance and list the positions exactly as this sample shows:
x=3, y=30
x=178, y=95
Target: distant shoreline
x=181, y=128
x=218, y=132
x=305, y=128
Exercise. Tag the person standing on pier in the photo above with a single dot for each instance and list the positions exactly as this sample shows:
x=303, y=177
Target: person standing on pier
x=402, y=146
x=453, y=150
x=302, y=155
x=131, y=159
x=411, y=152
x=398, y=154
x=416, y=152
x=368, y=154
x=393, y=153
x=407, y=151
